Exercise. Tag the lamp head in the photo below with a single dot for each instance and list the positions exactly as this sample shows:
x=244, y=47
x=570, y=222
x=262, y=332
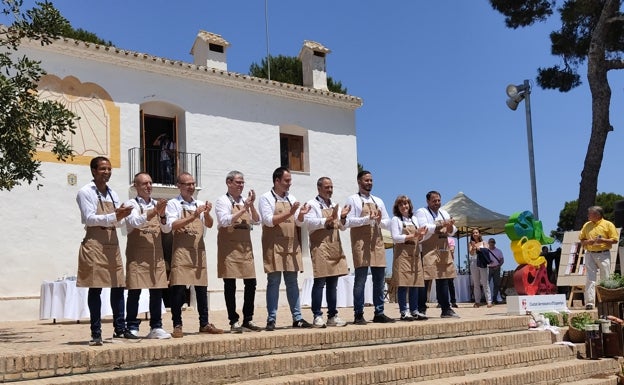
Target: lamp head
x=513, y=90
x=513, y=101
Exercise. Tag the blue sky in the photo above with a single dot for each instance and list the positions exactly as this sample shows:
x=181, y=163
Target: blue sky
x=432, y=75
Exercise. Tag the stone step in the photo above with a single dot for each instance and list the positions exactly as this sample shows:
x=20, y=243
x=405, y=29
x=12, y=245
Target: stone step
x=128, y=355
x=574, y=371
x=371, y=365
x=602, y=380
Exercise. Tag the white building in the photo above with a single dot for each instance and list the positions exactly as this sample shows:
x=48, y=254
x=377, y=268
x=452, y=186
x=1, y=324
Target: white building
x=220, y=121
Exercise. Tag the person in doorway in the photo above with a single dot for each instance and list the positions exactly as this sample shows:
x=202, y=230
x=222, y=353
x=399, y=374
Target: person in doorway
x=282, y=215
x=367, y=217
x=597, y=236
x=494, y=269
x=99, y=257
x=145, y=264
x=407, y=269
x=324, y=222
x=187, y=218
x=235, y=260
x=438, y=262
x=478, y=275
x=167, y=156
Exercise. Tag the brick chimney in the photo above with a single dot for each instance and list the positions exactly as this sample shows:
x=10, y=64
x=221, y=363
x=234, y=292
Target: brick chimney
x=312, y=56
x=209, y=50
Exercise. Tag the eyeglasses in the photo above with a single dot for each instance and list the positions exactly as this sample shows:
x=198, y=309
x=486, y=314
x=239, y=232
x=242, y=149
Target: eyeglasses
x=187, y=184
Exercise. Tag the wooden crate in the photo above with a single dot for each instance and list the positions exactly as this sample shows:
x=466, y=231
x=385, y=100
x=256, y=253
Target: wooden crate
x=610, y=308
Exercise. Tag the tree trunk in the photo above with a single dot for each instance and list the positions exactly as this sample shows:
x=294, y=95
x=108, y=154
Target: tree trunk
x=601, y=100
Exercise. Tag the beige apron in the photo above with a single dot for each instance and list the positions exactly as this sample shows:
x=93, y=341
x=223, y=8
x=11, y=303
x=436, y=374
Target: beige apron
x=407, y=267
x=367, y=244
x=145, y=264
x=438, y=261
x=99, y=258
x=280, y=244
x=234, y=249
x=188, y=263
x=328, y=259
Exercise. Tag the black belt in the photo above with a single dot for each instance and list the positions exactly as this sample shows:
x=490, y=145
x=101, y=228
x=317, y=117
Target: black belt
x=599, y=251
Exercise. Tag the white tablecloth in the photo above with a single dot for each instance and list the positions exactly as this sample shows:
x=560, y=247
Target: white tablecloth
x=63, y=300
x=462, y=289
x=344, y=289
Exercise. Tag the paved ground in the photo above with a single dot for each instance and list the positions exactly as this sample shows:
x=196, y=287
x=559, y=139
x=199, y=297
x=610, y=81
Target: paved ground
x=44, y=335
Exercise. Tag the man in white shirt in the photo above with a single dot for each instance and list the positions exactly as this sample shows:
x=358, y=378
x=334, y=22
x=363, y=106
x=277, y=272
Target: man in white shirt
x=438, y=261
x=281, y=217
x=99, y=257
x=188, y=217
x=324, y=222
x=367, y=217
x=235, y=260
x=497, y=259
x=145, y=263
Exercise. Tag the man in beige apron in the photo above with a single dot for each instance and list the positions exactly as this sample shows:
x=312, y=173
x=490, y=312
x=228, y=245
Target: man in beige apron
x=281, y=246
x=367, y=217
x=438, y=262
x=187, y=217
x=99, y=258
x=235, y=260
x=145, y=264
x=324, y=222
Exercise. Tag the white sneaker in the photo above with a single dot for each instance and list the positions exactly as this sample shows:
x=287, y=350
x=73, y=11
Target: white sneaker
x=319, y=322
x=336, y=321
x=158, y=334
x=236, y=328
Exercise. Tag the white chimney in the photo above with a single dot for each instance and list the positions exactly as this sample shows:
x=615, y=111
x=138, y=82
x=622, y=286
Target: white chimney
x=209, y=50
x=312, y=56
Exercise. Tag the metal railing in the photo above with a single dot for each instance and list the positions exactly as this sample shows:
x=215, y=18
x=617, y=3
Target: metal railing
x=163, y=172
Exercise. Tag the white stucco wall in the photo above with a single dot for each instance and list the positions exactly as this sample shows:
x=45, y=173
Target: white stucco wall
x=230, y=127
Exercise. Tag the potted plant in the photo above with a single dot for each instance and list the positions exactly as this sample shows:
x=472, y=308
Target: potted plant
x=576, y=331
x=611, y=289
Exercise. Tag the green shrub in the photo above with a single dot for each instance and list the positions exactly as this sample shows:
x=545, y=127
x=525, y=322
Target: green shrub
x=580, y=320
x=553, y=318
x=614, y=281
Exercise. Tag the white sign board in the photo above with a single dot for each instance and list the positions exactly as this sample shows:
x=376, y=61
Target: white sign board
x=521, y=304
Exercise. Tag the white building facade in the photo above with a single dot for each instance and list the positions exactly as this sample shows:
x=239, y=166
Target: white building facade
x=219, y=120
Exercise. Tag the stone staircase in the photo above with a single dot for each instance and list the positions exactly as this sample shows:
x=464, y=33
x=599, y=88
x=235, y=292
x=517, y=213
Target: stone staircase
x=490, y=350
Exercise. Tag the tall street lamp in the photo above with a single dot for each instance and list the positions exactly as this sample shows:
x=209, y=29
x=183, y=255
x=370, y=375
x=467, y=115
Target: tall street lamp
x=516, y=95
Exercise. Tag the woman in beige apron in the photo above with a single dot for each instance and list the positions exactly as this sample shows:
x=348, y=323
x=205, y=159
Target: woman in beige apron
x=407, y=270
x=99, y=258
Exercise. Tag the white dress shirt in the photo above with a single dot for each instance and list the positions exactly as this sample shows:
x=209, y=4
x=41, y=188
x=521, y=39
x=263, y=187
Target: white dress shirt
x=136, y=219
x=427, y=217
x=355, y=219
x=267, y=206
x=88, y=199
x=223, y=210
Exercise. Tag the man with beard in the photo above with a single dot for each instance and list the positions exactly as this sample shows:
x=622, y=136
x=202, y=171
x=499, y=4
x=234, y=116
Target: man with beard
x=438, y=261
x=99, y=258
x=282, y=216
x=145, y=264
x=367, y=217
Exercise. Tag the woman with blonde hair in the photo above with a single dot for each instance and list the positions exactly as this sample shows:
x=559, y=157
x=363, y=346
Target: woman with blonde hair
x=407, y=269
x=479, y=275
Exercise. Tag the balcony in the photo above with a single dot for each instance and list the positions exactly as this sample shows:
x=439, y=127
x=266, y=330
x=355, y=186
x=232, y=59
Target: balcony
x=163, y=173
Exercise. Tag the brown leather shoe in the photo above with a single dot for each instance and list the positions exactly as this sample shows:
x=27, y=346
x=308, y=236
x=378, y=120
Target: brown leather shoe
x=177, y=332
x=210, y=328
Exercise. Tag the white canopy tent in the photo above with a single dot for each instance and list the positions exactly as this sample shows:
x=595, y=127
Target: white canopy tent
x=468, y=215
